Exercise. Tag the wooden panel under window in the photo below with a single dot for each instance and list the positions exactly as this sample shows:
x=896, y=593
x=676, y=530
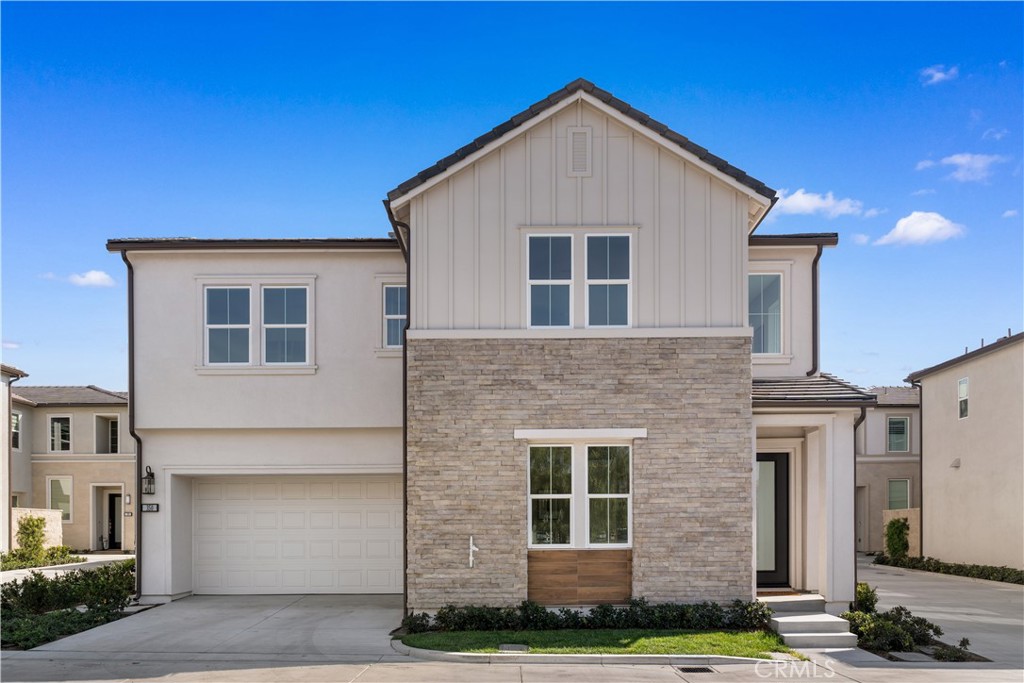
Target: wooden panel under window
x=579, y=577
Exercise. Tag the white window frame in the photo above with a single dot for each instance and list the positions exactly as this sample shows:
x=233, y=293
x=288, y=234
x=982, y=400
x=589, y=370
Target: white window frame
x=783, y=353
x=587, y=280
x=571, y=497
x=579, y=511
x=385, y=316
x=255, y=284
x=888, y=494
x=571, y=282
x=888, y=444
x=49, y=432
x=71, y=497
x=264, y=326
x=966, y=384
x=207, y=326
x=20, y=418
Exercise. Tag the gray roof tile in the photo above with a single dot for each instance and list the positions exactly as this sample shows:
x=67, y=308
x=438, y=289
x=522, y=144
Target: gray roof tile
x=823, y=389
x=69, y=396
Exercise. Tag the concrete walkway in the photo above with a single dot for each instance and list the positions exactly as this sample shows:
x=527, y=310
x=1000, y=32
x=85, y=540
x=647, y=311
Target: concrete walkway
x=989, y=613
x=91, y=562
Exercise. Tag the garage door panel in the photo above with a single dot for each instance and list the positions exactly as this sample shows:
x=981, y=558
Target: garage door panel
x=338, y=534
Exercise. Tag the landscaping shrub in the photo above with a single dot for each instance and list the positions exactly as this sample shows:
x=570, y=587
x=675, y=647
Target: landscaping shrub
x=922, y=631
x=866, y=599
x=893, y=630
x=31, y=535
x=29, y=631
x=953, y=653
x=108, y=589
x=897, y=542
x=974, y=571
x=637, y=614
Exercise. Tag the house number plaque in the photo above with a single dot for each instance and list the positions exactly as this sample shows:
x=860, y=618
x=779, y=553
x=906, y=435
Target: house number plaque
x=151, y=507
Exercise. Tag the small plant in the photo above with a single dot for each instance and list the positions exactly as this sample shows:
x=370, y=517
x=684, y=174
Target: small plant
x=416, y=623
x=866, y=599
x=748, y=616
x=896, y=538
x=953, y=653
x=31, y=536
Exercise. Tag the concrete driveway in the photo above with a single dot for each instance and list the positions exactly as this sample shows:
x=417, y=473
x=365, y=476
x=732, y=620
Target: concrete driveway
x=989, y=613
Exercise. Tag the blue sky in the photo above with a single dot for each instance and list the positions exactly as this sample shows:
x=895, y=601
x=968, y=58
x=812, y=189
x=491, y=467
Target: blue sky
x=899, y=126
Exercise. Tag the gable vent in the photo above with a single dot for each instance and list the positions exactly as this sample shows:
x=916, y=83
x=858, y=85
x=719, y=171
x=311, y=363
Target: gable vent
x=580, y=156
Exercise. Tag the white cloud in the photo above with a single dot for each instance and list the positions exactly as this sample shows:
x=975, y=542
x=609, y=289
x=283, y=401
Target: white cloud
x=871, y=213
x=938, y=73
x=972, y=167
x=922, y=192
x=92, y=278
x=804, y=202
x=1009, y=213
x=921, y=227
x=995, y=134
x=921, y=165
x=861, y=238
x=11, y=344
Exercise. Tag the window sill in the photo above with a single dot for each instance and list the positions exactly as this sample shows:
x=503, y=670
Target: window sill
x=555, y=548
x=388, y=353
x=257, y=370
x=770, y=359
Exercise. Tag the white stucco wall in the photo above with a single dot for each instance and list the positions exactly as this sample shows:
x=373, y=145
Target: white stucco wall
x=794, y=263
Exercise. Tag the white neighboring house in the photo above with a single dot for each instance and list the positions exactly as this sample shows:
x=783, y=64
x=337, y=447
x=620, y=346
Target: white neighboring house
x=585, y=291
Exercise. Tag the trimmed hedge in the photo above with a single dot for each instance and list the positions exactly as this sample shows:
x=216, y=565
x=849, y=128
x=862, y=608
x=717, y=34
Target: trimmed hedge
x=974, y=571
x=638, y=614
x=31, y=553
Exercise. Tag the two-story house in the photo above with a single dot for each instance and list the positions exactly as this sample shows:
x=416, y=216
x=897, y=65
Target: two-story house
x=70, y=451
x=888, y=447
x=609, y=386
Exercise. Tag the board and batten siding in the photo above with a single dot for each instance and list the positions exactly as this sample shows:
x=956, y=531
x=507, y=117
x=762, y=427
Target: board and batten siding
x=469, y=230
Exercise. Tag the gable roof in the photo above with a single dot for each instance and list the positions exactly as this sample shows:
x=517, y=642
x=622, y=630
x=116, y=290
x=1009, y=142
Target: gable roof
x=994, y=346
x=582, y=85
x=823, y=390
x=896, y=396
x=69, y=396
x=196, y=244
x=12, y=371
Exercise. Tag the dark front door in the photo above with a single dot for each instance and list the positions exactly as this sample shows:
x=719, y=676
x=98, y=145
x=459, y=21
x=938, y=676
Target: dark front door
x=114, y=520
x=772, y=519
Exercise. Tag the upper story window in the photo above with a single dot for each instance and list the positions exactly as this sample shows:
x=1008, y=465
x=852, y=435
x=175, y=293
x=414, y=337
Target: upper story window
x=898, y=434
x=285, y=324
x=550, y=281
x=396, y=309
x=16, y=431
x=227, y=325
x=765, y=292
x=60, y=434
x=107, y=440
x=608, y=280
x=962, y=390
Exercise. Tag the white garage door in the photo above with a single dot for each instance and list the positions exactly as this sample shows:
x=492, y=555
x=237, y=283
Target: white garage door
x=322, y=534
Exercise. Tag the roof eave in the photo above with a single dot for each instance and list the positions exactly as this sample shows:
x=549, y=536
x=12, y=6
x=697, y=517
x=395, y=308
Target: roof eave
x=952, y=362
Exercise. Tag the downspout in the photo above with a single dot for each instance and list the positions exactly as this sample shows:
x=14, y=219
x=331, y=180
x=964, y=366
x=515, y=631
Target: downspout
x=398, y=226
x=856, y=425
x=131, y=425
x=10, y=463
x=814, y=313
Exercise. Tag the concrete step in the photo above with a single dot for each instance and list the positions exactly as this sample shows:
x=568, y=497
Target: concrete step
x=815, y=640
x=810, y=602
x=795, y=622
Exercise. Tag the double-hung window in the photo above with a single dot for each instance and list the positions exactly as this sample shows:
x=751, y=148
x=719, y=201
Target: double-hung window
x=898, y=434
x=899, y=494
x=285, y=324
x=396, y=308
x=227, y=325
x=550, y=280
x=16, y=431
x=765, y=311
x=608, y=280
x=60, y=434
x=580, y=496
x=58, y=496
x=961, y=394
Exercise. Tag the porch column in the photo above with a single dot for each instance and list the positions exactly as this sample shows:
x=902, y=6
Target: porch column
x=840, y=564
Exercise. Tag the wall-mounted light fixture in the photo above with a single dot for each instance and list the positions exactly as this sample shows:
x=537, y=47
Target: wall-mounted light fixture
x=149, y=482
x=127, y=499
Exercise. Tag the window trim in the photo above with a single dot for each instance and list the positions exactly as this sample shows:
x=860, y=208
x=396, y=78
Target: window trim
x=385, y=317
x=964, y=400
x=888, y=443
x=783, y=352
x=109, y=417
x=21, y=417
x=571, y=497
x=264, y=326
x=608, y=496
x=49, y=432
x=71, y=496
x=255, y=284
x=587, y=281
x=207, y=327
x=571, y=282
x=888, y=493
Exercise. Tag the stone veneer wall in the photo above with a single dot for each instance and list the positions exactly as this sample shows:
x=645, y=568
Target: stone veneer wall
x=692, y=476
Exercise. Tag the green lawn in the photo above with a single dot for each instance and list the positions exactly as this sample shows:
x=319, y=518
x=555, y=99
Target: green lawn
x=612, y=641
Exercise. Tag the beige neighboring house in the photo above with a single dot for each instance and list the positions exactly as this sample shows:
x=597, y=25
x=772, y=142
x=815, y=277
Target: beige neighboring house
x=972, y=433
x=71, y=451
x=9, y=375
x=888, y=463
x=609, y=387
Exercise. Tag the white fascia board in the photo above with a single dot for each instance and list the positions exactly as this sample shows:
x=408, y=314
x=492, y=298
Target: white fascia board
x=579, y=434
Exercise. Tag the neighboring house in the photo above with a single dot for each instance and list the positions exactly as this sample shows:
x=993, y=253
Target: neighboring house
x=888, y=462
x=973, y=453
x=71, y=452
x=8, y=437
x=611, y=387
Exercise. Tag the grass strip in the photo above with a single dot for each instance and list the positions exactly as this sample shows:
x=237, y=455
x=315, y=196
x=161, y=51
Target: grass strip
x=612, y=641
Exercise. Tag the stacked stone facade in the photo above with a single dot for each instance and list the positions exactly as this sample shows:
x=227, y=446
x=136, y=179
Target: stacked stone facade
x=467, y=475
